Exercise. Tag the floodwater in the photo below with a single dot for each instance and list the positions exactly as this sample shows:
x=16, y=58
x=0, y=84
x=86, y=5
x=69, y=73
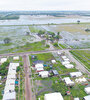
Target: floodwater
x=27, y=20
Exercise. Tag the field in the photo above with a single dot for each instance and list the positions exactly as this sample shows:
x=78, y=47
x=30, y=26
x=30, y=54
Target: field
x=83, y=56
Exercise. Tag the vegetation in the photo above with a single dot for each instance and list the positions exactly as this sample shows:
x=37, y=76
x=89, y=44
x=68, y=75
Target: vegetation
x=7, y=40
x=83, y=56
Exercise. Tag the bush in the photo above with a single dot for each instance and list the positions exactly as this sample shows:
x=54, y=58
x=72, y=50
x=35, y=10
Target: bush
x=48, y=46
x=55, y=44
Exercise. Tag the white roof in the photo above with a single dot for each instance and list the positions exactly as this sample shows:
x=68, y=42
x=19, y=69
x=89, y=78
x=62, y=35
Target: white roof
x=80, y=80
x=69, y=66
x=66, y=59
x=3, y=60
x=63, y=57
x=44, y=74
x=68, y=81
x=65, y=62
x=9, y=96
x=0, y=77
x=10, y=81
x=39, y=66
x=40, y=69
x=16, y=58
x=53, y=96
x=87, y=90
x=87, y=97
x=76, y=74
x=14, y=64
x=11, y=76
x=76, y=98
x=53, y=61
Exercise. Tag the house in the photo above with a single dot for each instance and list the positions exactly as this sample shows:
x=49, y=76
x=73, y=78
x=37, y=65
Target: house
x=76, y=98
x=86, y=97
x=53, y=61
x=9, y=96
x=63, y=57
x=75, y=74
x=65, y=62
x=55, y=73
x=0, y=77
x=68, y=81
x=3, y=60
x=80, y=80
x=44, y=74
x=66, y=59
x=87, y=90
x=39, y=66
x=68, y=66
x=39, y=69
x=53, y=96
x=16, y=58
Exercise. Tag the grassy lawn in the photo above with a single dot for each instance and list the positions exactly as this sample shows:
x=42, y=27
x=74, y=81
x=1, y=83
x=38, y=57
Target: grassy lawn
x=37, y=46
x=63, y=46
x=83, y=56
x=33, y=29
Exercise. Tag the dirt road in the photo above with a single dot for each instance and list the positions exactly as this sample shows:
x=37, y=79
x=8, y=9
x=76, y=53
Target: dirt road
x=28, y=95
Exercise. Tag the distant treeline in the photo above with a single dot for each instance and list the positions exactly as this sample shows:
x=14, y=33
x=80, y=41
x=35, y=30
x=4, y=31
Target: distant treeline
x=9, y=17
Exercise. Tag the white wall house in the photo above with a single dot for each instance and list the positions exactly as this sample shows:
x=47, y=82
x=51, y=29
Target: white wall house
x=75, y=74
x=44, y=74
x=68, y=66
x=87, y=90
x=53, y=96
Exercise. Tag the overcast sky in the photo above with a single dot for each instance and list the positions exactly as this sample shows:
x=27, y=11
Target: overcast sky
x=44, y=4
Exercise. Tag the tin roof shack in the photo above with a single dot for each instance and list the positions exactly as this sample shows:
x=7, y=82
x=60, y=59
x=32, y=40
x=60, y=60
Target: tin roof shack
x=68, y=81
x=2, y=60
x=86, y=97
x=53, y=96
x=55, y=73
x=75, y=74
x=16, y=58
x=44, y=74
x=87, y=90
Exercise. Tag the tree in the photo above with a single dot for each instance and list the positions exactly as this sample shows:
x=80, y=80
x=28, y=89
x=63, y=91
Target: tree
x=27, y=33
x=78, y=21
x=41, y=32
x=7, y=40
x=58, y=33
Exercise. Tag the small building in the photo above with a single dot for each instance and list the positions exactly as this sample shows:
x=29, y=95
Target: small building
x=53, y=61
x=0, y=77
x=55, y=73
x=16, y=58
x=76, y=98
x=65, y=62
x=39, y=66
x=75, y=74
x=53, y=96
x=68, y=66
x=3, y=60
x=68, y=81
x=9, y=96
x=87, y=90
x=44, y=74
x=80, y=80
x=39, y=69
x=86, y=97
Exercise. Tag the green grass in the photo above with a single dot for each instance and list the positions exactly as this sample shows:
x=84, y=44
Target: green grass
x=63, y=46
x=33, y=29
x=37, y=46
x=83, y=56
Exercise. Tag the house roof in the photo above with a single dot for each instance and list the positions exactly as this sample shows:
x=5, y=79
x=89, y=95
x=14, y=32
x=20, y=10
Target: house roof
x=55, y=72
x=53, y=96
x=77, y=74
x=87, y=97
x=87, y=90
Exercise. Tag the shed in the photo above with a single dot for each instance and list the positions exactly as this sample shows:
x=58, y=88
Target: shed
x=68, y=81
x=53, y=96
x=55, y=72
x=76, y=98
x=53, y=61
x=75, y=74
x=9, y=96
x=69, y=66
x=80, y=80
x=87, y=90
x=65, y=62
x=86, y=97
x=3, y=60
x=16, y=58
x=44, y=74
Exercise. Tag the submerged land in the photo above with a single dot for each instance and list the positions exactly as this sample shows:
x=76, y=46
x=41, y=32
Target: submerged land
x=48, y=40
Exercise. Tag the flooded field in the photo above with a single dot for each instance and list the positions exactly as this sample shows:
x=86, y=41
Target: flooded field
x=18, y=36
x=27, y=20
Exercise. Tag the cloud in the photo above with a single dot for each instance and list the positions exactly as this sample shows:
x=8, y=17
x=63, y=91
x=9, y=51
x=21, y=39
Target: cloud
x=44, y=4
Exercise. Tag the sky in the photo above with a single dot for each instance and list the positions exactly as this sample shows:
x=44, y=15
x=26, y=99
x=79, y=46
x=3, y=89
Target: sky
x=34, y=5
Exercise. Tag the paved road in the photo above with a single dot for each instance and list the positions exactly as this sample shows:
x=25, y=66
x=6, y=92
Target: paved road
x=28, y=95
x=37, y=52
x=79, y=66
